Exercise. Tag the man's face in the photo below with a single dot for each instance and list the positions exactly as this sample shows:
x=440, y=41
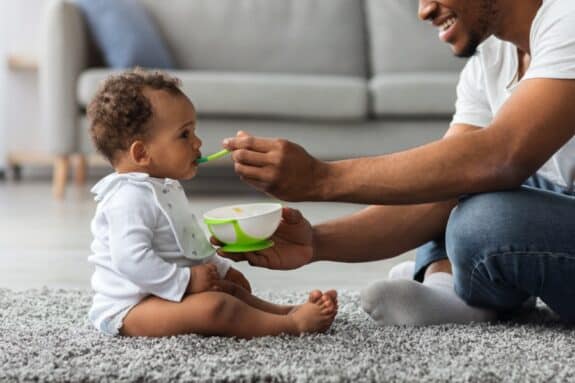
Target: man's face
x=463, y=24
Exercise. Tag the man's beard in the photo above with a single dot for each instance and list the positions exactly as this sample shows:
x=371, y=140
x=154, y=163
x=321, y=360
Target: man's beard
x=487, y=12
x=471, y=47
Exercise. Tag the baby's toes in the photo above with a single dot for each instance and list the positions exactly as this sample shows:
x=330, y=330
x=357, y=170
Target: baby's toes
x=315, y=296
x=332, y=294
x=328, y=306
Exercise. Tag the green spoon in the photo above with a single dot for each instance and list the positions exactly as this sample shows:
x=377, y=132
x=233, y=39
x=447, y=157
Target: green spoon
x=214, y=156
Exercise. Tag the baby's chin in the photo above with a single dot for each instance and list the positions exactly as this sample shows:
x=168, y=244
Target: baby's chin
x=191, y=173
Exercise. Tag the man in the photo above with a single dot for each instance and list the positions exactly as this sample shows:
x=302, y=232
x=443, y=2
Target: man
x=491, y=205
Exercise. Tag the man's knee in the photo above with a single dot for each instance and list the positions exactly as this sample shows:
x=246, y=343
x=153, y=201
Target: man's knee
x=478, y=225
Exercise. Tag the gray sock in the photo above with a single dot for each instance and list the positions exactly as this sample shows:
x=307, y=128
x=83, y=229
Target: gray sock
x=406, y=302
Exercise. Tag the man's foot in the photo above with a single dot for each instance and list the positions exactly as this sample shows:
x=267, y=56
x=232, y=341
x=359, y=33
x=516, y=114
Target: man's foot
x=403, y=270
x=317, y=314
x=406, y=302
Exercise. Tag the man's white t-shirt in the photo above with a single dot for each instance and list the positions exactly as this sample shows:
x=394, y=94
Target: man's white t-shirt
x=490, y=77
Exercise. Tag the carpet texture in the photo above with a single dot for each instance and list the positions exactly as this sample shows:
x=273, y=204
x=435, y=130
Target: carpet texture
x=44, y=336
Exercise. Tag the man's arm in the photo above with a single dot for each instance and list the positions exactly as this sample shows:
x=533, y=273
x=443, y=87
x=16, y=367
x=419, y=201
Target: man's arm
x=533, y=124
x=381, y=232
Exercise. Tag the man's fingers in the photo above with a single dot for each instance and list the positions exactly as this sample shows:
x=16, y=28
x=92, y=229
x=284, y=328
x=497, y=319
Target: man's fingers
x=254, y=173
x=252, y=143
x=248, y=157
x=258, y=259
x=214, y=241
x=291, y=216
x=233, y=256
x=255, y=183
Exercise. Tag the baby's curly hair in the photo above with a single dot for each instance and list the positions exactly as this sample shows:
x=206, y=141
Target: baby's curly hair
x=119, y=111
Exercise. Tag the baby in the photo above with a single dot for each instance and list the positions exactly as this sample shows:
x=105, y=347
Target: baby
x=156, y=274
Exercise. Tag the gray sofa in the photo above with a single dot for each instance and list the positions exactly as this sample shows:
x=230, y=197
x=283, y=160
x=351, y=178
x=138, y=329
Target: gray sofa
x=344, y=78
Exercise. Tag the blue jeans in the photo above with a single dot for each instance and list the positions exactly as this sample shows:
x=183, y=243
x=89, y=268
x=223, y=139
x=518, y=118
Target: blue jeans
x=508, y=246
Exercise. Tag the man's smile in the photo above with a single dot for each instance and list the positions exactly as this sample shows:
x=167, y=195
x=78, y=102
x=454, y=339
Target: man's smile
x=446, y=24
x=447, y=28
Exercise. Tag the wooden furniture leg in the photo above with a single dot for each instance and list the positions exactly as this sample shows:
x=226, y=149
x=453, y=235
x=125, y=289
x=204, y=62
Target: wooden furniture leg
x=60, y=176
x=80, y=170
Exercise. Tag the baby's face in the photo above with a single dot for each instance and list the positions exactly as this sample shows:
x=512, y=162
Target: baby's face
x=173, y=145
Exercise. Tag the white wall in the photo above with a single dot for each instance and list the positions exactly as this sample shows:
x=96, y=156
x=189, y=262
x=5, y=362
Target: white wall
x=2, y=82
x=20, y=25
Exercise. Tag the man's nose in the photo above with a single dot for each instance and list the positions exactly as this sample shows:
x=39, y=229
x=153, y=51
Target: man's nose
x=426, y=9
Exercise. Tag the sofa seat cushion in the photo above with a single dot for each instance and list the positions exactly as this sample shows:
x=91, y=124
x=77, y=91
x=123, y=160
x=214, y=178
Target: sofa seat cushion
x=424, y=94
x=260, y=95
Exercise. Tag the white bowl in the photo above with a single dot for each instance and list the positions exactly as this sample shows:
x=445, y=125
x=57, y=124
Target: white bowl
x=244, y=227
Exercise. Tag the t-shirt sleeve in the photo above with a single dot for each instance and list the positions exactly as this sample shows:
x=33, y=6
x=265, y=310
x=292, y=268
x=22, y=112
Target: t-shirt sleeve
x=131, y=221
x=472, y=107
x=553, y=45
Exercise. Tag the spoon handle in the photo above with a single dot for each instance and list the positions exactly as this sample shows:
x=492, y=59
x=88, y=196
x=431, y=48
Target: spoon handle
x=212, y=157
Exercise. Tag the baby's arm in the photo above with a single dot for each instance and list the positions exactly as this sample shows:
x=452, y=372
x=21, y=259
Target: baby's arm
x=203, y=278
x=238, y=278
x=227, y=272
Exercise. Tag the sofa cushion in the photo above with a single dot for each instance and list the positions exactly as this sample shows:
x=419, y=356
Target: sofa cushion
x=261, y=95
x=277, y=36
x=400, y=42
x=425, y=94
x=126, y=34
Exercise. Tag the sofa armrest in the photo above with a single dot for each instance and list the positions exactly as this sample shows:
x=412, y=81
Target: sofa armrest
x=64, y=55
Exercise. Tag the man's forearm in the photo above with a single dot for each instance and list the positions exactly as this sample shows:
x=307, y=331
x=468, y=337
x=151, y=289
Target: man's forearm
x=380, y=232
x=442, y=170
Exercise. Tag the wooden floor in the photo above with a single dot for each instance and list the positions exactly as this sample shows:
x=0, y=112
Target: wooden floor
x=45, y=242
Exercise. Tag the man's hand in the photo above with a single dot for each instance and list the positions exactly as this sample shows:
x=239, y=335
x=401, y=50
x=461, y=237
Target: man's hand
x=203, y=278
x=238, y=278
x=293, y=245
x=277, y=167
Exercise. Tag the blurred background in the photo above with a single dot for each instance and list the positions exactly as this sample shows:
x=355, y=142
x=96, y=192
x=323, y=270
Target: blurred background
x=343, y=78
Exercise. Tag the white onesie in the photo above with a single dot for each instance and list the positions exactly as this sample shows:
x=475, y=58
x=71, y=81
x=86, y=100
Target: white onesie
x=145, y=240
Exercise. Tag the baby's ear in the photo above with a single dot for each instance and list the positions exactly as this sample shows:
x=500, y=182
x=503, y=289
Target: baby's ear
x=139, y=153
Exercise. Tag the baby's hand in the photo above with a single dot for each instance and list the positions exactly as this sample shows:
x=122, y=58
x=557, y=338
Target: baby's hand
x=203, y=278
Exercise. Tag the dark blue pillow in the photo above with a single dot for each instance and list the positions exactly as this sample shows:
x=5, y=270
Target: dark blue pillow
x=126, y=34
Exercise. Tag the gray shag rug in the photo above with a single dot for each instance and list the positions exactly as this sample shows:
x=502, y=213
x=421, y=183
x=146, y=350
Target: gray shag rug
x=45, y=336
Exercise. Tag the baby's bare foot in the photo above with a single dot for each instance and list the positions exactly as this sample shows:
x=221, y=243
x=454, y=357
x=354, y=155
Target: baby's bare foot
x=328, y=302
x=315, y=315
x=314, y=296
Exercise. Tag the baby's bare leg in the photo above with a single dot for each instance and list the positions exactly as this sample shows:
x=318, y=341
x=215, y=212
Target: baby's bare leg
x=246, y=296
x=328, y=300
x=216, y=313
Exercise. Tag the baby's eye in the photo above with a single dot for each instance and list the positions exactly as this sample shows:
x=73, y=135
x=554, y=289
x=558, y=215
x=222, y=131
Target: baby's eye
x=185, y=134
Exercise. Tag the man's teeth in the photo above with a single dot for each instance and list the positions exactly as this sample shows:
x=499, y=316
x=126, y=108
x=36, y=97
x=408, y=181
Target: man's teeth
x=448, y=23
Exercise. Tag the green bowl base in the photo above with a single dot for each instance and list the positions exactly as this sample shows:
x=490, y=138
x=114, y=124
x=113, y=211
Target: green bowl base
x=247, y=248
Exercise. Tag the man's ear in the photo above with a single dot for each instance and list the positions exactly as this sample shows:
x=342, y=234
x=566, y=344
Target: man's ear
x=139, y=153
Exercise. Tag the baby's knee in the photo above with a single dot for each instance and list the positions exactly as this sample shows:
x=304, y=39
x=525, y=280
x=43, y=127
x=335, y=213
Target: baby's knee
x=219, y=308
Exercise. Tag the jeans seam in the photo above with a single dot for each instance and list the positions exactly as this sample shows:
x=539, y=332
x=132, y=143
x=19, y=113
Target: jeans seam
x=493, y=254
